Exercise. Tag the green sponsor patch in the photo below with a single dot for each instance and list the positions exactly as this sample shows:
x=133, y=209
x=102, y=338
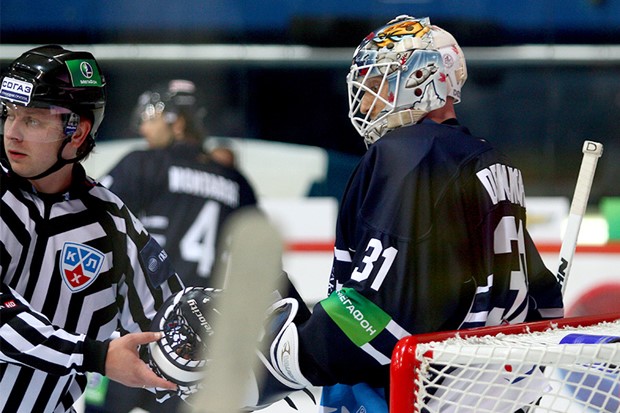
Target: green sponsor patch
x=84, y=72
x=358, y=317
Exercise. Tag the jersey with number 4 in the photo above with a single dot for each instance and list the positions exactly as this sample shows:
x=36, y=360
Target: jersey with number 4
x=431, y=236
x=182, y=198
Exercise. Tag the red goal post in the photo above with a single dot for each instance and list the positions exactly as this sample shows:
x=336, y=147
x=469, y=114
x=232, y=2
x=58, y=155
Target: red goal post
x=565, y=365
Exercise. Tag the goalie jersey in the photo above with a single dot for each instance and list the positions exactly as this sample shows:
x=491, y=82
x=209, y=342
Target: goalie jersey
x=431, y=236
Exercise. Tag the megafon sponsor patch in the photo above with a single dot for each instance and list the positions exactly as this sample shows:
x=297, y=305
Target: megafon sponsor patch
x=16, y=90
x=84, y=72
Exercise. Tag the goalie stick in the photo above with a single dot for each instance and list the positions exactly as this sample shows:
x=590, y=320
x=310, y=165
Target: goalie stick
x=591, y=152
x=253, y=264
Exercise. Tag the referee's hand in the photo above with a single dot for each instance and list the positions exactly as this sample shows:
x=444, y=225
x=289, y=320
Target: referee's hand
x=123, y=364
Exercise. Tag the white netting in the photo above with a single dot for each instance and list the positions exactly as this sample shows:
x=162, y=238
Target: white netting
x=569, y=369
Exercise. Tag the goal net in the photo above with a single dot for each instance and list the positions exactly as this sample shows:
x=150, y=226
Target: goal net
x=566, y=365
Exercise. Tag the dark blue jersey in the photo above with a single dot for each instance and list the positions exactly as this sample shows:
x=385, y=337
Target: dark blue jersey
x=183, y=198
x=431, y=236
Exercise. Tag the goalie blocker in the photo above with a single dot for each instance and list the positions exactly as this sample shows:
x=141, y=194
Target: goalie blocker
x=182, y=355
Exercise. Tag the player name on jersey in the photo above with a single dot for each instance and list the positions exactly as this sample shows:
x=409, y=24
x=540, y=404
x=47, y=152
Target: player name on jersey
x=204, y=184
x=503, y=183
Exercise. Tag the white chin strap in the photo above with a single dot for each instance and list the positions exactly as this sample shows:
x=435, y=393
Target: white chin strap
x=392, y=121
x=405, y=118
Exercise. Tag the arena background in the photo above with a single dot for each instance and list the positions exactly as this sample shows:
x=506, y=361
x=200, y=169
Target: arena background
x=543, y=77
x=543, y=74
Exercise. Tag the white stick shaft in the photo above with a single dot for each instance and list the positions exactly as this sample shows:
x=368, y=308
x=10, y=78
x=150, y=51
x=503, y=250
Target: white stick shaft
x=591, y=152
x=252, y=271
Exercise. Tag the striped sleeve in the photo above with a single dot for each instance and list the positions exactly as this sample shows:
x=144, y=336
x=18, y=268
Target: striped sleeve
x=149, y=276
x=29, y=339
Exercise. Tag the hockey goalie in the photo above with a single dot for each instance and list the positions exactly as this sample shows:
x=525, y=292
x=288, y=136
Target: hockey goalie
x=431, y=234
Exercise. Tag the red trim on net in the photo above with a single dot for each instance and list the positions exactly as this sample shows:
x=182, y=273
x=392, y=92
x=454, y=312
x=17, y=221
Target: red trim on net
x=404, y=363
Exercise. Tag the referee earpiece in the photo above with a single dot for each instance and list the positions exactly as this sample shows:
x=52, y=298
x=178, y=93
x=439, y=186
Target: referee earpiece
x=72, y=124
x=77, y=129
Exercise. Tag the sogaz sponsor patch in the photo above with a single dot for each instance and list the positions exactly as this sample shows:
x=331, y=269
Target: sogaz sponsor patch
x=16, y=90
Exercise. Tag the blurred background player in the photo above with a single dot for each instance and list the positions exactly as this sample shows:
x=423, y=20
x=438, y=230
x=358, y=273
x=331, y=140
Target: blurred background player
x=431, y=232
x=177, y=189
x=76, y=266
x=222, y=151
x=181, y=193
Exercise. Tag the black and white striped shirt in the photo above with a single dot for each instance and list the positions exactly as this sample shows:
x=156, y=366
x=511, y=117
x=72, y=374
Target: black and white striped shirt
x=74, y=267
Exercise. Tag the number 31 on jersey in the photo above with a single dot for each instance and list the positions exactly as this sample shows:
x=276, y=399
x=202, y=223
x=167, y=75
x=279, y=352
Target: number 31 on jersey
x=376, y=255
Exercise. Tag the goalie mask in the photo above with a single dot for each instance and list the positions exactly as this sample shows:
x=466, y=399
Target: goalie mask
x=396, y=78
x=453, y=61
x=186, y=321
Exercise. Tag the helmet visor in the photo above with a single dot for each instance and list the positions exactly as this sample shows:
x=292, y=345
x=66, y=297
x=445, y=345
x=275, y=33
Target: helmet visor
x=48, y=124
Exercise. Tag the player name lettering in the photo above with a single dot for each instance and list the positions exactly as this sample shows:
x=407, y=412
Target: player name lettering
x=503, y=183
x=193, y=305
x=203, y=184
x=357, y=314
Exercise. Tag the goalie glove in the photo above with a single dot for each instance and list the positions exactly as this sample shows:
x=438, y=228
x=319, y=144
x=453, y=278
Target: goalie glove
x=186, y=321
x=277, y=373
x=179, y=356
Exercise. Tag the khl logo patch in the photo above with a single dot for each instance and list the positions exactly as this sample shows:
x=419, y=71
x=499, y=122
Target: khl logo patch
x=80, y=265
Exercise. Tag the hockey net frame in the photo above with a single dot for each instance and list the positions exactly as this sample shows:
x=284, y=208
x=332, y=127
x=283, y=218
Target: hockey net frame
x=497, y=369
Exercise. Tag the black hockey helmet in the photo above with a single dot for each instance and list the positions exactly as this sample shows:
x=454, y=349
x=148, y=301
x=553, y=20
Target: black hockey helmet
x=177, y=97
x=50, y=75
x=53, y=77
